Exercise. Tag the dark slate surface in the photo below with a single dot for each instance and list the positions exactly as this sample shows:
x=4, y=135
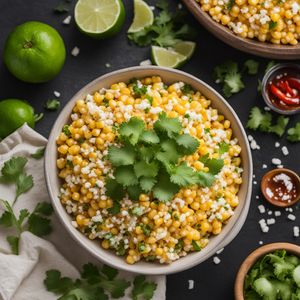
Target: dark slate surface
x=212, y=282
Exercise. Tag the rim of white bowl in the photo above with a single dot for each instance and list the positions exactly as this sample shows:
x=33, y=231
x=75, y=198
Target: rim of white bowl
x=110, y=258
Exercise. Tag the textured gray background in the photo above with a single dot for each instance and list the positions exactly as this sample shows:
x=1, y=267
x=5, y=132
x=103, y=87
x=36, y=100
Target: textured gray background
x=212, y=282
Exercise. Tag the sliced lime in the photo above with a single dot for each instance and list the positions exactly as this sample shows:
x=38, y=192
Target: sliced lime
x=185, y=48
x=99, y=18
x=166, y=57
x=143, y=16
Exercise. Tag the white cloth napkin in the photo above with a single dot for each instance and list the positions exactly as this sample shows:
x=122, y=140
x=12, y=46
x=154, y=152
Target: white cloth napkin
x=21, y=276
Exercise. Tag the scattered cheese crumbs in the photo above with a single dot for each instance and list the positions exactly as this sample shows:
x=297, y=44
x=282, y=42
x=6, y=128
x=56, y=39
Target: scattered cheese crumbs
x=271, y=221
x=254, y=145
x=216, y=260
x=250, y=138
x=261, y=209
x=277, y=145
x=75, y=51
x=296, y=231
x=253, y=175
x=220, y=251
x=254, y=182
x=107, y=65
x=285, y=150
x=67, y=20
x=291, y=217
x=280, y=166
x=179, y=6
x=152, y=7
x=257, y=197
x=260, y=242
x=191, y=284
x=270, y=212
x=277, y=213
x=267, y=108
x=146, y=62
x=264, y=166
x=276, y=161
x=56, y=94
x=263, y=226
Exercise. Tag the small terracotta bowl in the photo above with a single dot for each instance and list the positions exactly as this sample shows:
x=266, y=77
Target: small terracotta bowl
x=251, y=260
x=272, y=173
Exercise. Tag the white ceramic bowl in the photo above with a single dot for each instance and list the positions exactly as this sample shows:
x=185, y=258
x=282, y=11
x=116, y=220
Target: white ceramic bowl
x=217, y=242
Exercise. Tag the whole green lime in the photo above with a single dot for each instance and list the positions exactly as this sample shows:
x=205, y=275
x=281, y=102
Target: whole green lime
x=14, y=113
x=34, y=52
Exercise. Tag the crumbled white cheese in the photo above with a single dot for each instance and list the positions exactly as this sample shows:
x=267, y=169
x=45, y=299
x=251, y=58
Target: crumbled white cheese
x=191, y=284
x=277, y=145
x=75, y=51
x=56, y=94
x=216, y=260
x=146, y=62
x=276, y=161
x=296, y=231
x=67, y=20
x=261, y=209
x=291, y=217
x=285, y=150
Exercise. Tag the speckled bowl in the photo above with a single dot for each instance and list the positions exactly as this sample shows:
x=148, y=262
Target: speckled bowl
x=217, y=242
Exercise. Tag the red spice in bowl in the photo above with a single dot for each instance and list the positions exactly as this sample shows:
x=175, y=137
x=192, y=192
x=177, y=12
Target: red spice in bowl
x=281, y=187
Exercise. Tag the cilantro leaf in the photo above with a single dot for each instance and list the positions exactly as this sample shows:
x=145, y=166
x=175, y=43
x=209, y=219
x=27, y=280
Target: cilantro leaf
x=61, y=8
x=143, y=289
x=294, y=133
x=85, y=293
x=115, y=287
x=142, y=168
x=164, y=189
x=256, y=117
x=230, y=4
x=134, y=192
x=57, y=284
x=272, y=25
x=14, y=243
x=169, y=153
x=90, y=272
x=188, y=143
x=113, y=189
x=24, y=183
x=115, y=209
x=44, y=208
x=183, y=175
x=13, y=168
x=259, y=85
x=39, y=225
x=280, y=126
x=139, y=91
x=196, y=246
x=131, y=130
x=169, y=126
x=270, y=65
x=122, y=156
x=215, y=165
x=149, y=137
x=187, y=89
x=52, y=104
x=147, y=183
x=109, y=272
x=24, y=213
x=205, y=179
x=251, y=66
x=125, y=175
x=39, y=153
x=6, y=219
x=66, y=130
x=223, y=147
x=38, y=117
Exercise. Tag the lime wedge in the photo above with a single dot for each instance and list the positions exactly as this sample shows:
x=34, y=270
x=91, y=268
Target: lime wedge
x=143, y=16
x=99, y=18
x=185, y=48
x=166, y=57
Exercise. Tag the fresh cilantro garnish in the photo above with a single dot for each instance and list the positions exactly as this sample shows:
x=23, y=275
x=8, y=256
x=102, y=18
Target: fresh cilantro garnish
x=230, y=4
x=179, y=245
x=148, y=160
x=52, y=104
x=228, y=74
x=13, y=172
x=39, y=153
x=94, y=284
x=150, y=99
x=139, y=91
x=187, y=89
x=142, y=289
x=270, y=65
x=37, y=221
x=66, y=130
x=61, y=8
x=38, y=117
x=259, y=85
x=207, y=130
x=146, y=229
x=223, y=147
x=294, y=133
x=272, y=25
x=167, y=29
x=251, y=66
x=263, y=122
x=196, y=246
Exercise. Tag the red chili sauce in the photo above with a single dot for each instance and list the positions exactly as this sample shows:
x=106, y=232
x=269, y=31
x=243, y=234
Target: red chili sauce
x=281, y=187
x=284, y=90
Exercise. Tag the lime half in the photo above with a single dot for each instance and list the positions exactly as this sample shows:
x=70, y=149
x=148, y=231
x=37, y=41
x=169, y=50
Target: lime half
x=99, y=18
x=185, y=48
x=166, y=57
x=143, y=16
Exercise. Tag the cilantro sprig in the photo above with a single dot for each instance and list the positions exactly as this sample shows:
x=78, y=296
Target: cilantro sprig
x=38, y=222
x=149, y=161
x=294, y=133
x=13, y=172
x=167, y=29
x=263, y=122
x=97, y=284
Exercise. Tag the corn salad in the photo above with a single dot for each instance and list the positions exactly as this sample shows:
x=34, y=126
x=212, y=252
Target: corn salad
x=275, y=21
x=146, y=229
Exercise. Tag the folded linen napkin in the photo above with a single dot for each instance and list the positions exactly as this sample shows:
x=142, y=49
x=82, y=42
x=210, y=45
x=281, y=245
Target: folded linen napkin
x=21, y=276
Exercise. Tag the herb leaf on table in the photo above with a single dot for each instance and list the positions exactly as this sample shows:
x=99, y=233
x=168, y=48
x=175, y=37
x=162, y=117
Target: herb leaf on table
x=294, y=133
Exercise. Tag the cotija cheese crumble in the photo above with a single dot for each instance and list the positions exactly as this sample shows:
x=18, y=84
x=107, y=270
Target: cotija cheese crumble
x=275, y=21
x=169, y=220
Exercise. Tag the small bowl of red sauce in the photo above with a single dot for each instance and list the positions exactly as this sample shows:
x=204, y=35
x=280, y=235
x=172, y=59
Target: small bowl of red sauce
x=281, y=88
x=281, y=187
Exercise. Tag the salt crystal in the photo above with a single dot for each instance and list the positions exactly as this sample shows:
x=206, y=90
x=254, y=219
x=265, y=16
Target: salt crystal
x=191, y=284
x=291, y=217
x=216, y=260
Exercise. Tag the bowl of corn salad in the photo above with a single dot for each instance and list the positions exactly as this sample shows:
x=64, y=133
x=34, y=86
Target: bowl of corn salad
x=149, y=169
x=267, y=28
